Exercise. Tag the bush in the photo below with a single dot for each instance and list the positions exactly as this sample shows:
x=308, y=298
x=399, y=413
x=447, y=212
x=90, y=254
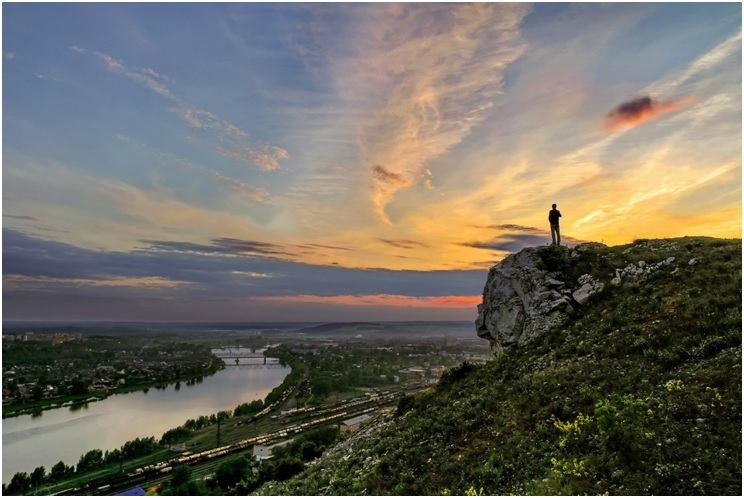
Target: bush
x=405, y=404
x=553, y=258
x=456, y=373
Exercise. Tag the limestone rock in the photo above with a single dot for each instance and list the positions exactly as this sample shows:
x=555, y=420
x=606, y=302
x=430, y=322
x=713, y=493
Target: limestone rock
x=522, y=301
x=635, y=272
x=589, y=287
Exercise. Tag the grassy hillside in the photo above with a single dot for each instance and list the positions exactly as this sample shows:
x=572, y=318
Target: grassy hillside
x=640, y=395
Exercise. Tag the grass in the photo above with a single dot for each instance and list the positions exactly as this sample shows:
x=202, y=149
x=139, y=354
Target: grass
x=641, y=395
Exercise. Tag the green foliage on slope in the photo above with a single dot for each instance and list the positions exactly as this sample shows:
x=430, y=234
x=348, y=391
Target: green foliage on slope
x=641, y=395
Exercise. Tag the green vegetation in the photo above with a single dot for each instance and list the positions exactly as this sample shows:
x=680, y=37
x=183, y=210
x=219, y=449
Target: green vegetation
x=332, y=372
x=554, y=258
x=640, y=395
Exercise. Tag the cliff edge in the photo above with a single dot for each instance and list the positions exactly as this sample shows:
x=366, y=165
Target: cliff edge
x=538, y=288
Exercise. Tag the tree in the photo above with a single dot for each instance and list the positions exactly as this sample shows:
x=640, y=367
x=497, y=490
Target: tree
x=321, y=387
x=287, y=468
x=310, y=451
x=91, y=460
x=182, y=485
x=37, y=476
x=19, y=483
x=37, y=392
x=248, y=408
x=59, y=470
x=172, y=436
x=78, y=386
x=230, y=473
x=181, y=476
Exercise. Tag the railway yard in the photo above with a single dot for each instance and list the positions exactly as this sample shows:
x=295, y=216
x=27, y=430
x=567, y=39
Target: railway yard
x=271, y=426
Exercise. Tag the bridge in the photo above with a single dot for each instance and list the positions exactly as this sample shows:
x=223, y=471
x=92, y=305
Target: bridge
x=255, y=365
x=250, y=359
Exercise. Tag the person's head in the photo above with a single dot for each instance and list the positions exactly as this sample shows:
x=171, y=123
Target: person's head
x=554, y=206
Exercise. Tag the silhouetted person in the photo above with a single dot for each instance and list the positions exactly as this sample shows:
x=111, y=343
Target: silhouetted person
x=554, y=217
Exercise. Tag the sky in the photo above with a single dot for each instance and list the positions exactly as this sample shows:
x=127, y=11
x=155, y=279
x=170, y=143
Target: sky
x=348, y=161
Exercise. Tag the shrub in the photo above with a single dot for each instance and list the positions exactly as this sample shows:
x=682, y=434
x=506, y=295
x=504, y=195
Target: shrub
x=553, y=258
x=456, y=373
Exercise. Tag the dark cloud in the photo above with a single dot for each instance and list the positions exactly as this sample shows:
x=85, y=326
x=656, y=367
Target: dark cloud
x=510, y=242
x=403, y=243
x=223, y=246
x=23, y=218
x=509, y=227
x=637, y=110
x=515, y=242
x=321, y=246
x=46, y=280
x=386, y=176
x=237, y=246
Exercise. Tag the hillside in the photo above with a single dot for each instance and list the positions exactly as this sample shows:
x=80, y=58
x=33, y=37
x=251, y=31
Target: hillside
x=637, y=392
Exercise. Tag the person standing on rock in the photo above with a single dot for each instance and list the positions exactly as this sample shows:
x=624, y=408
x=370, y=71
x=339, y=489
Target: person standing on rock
x=555, y=227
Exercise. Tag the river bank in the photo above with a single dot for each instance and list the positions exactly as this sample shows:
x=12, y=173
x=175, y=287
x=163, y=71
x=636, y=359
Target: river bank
x=35, y=408
x=66, y=433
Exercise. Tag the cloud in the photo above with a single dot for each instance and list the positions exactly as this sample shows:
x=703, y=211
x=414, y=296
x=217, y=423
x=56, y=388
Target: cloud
x=220, y=246
x=508, y=226
x=637, y=110
x=11, y=282
x=510, y=242
x=323, y=246
x=183, y=277
x=206, y=120
x=419, y=78
x=214, y=262
x=266, y=157
x=144, y=76
x=385, y=176
x=706, y=62
x=23, y=218
x=8, y=56
x=404, y=244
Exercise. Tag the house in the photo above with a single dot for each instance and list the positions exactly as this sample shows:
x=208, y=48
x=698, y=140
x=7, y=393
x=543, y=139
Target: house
x=353, y=423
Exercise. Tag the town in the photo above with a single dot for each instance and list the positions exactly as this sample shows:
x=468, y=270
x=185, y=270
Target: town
x=41, y=369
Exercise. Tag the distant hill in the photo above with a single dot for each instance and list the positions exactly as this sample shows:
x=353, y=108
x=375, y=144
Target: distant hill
x=344, y=327
x=397, y=330
x=637, y=391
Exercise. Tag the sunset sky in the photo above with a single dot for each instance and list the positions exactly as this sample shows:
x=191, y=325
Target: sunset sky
x=335, y=162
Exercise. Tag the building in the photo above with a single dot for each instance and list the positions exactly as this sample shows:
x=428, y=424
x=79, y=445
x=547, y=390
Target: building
x=353, y=423
x=261, y=452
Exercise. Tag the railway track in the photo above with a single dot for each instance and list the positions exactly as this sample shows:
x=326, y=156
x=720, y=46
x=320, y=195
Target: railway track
x=207, y=461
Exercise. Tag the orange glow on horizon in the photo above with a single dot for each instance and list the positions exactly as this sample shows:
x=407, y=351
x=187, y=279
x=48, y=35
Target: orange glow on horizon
x=387, y=300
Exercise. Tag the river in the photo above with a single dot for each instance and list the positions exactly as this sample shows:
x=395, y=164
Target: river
x=66, y=433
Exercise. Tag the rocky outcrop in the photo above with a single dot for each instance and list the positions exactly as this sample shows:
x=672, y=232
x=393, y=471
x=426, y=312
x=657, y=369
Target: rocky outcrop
x=640, y=270
x=522, y=299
